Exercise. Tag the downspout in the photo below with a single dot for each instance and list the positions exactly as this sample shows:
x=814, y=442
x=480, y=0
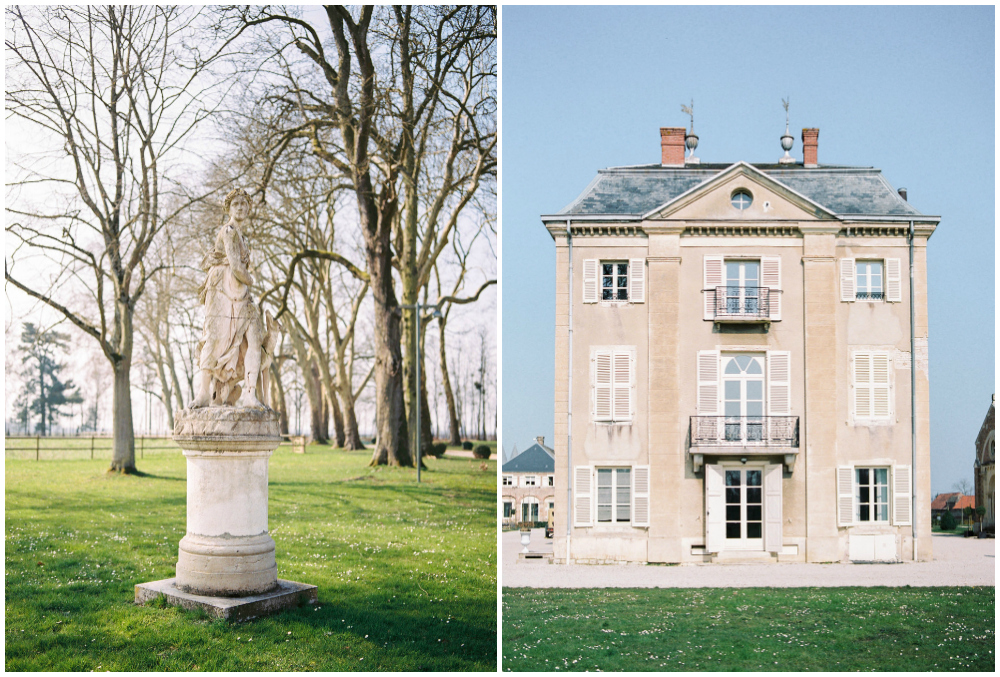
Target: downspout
x=569, y=402
x=913, y=402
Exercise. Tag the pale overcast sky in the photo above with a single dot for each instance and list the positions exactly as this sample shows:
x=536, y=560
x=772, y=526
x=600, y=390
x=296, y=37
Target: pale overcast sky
x=909, y=90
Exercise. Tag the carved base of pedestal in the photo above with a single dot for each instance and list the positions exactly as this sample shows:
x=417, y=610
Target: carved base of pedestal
x=286, y=595
x=226, y=567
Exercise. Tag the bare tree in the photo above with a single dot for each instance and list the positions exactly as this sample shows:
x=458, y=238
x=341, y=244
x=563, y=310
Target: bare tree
x=963, y=486
x=112, y=97
x=379, y=122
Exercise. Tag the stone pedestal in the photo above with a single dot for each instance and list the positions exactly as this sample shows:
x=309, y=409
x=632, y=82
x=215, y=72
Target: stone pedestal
x=227, y=551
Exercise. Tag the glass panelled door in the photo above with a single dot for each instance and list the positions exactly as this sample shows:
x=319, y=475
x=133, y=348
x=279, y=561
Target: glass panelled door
x=744, y=509
x=742, y=283
x=743, y=392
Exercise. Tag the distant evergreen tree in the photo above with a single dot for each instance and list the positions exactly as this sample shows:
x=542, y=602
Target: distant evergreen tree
x=44, y=394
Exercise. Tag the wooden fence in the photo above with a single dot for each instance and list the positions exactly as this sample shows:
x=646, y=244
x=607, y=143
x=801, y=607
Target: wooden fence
x=38, y=443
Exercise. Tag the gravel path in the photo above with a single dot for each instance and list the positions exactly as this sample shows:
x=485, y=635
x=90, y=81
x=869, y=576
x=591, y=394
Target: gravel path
x=957, y=561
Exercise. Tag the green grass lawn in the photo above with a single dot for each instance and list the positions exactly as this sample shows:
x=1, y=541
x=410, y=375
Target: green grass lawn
x=727, y=629
x=406, y=573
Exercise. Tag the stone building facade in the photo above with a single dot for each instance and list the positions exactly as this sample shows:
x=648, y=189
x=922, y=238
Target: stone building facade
x=733, y=364
x=527, y=484
x=985, y=469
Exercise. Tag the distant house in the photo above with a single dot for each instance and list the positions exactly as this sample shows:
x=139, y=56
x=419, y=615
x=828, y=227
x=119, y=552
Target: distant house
x=984, y=472
x=528, y=484
x=955, y=503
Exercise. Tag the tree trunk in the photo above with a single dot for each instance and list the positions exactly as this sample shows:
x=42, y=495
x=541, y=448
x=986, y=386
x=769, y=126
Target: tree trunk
x=454, y=436
x=352, y=438
x=338, y=418
x=123, y=444
x=278, y=398
x=426, y=428
x=391, y=446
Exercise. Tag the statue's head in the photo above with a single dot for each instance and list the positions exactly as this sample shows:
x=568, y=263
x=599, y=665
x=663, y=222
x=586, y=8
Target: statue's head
x=234, y=196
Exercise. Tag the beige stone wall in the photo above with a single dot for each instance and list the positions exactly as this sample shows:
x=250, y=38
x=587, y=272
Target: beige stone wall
x=669, y=329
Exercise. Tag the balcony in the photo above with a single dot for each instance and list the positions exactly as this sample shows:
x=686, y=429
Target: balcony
x=742, y=304
x=744, y=436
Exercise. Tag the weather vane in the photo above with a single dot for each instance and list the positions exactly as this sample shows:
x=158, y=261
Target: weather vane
x=690, y=111
x=784, y=102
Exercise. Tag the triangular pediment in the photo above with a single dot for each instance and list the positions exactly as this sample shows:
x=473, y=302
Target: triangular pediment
x=712, y=200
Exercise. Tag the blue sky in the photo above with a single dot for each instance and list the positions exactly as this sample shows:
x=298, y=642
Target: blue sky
x=909, y=90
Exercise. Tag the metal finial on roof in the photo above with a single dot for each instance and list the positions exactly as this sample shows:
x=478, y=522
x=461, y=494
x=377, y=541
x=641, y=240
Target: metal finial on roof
x=691, y=140
x=787, y=140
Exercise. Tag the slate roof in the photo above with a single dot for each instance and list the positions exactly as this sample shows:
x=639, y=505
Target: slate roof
x=534, y=459
x=637, y=190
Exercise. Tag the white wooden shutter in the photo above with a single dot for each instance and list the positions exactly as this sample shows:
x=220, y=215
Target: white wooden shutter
x=770, y=277
x=582, y=495
x=893, y=281
x=779, y=368
x=713, y=278
x=637, y=280
x=591, y=286
x=708, y=382
x=772, y=508
x=622, y=382
x=847, y=282
x=603, y=376
x=901, y=494
x=715, y=509
x=640, y=496
x=862, y=385
x=845, y=496
x=881, y=388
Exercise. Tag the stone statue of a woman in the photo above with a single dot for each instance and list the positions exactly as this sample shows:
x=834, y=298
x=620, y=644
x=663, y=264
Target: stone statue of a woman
x=238, y=343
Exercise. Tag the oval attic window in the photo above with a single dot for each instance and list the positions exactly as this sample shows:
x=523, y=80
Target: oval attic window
x=742, y=199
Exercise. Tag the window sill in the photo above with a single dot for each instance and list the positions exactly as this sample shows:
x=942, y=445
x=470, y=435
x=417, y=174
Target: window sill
x=873, y=422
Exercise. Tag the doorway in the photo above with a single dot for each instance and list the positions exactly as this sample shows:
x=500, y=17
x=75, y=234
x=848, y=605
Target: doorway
x=743, y=393
x=744, y=508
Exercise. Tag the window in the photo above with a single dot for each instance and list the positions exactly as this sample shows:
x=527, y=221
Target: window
x=530, y=481
x=742, y=289
x=614, y=280
x=742, y=199
x=508, y=508
x=871, y=494
x=550, y=481
x=872, y=386
x=869, y=281
x=612, y=379
x=508, y=480
x=529, y=509
x=867, y=495
x=550, y=506
x=614, y=494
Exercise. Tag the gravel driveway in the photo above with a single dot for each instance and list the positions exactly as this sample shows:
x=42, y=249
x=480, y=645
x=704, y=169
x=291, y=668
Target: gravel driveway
x=957, y=561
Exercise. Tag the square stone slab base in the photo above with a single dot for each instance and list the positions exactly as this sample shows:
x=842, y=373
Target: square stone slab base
x=287, y=595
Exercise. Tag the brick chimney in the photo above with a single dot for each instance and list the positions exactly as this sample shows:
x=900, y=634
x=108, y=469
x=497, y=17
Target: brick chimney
x=810, y=143
x=672, y=146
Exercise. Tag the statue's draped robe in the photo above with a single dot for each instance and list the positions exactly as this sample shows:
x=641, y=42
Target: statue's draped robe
x=229, y=309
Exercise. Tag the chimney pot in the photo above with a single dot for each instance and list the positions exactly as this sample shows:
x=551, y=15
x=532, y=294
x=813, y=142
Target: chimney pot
x=810, y=143
x=672, y=146
x=541, y=441
x=902, y=194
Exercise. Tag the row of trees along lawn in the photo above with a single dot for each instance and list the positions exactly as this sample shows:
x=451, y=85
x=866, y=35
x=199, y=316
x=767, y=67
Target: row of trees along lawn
x=367, y=137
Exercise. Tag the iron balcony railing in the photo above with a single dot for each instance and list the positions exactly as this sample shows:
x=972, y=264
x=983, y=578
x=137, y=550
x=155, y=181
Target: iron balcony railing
x=742, y=303
x=870, y=296
x=738, y=431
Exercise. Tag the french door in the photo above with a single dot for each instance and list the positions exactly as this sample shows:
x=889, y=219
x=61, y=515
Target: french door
x=744, y=508
x=742, y=287
x=743, y=397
